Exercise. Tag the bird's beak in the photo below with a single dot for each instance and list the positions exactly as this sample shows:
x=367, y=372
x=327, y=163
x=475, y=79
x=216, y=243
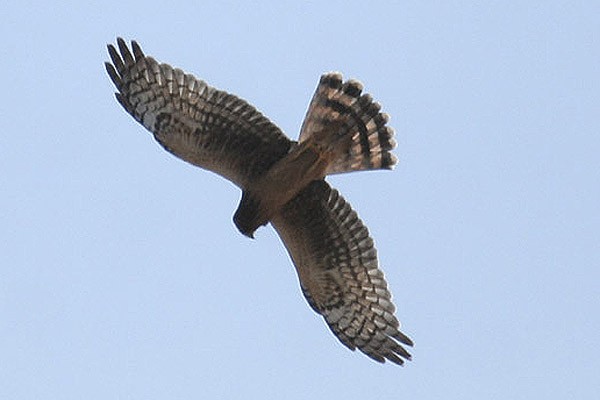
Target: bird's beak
x=249, y=234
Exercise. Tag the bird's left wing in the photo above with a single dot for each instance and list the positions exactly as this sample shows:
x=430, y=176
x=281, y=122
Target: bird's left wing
x=204, y=126
x=336, y=262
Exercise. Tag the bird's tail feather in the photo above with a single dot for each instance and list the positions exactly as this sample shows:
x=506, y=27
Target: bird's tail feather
x=349, y=126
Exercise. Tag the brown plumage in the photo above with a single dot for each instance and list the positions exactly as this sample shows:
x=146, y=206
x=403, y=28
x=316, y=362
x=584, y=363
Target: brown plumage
x=282, y=181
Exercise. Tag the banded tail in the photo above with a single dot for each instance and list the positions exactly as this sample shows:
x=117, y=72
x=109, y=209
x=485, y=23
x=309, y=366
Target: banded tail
x=349, y=125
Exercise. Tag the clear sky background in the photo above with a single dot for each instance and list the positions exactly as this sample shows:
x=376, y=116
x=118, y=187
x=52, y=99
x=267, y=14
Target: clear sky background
x=122, y=275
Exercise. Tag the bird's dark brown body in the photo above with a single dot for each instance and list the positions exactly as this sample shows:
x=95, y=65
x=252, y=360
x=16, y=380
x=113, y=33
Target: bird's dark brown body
x=281, y=183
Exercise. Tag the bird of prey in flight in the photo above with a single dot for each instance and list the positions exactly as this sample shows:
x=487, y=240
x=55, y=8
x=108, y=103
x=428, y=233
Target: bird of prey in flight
x=283, y=181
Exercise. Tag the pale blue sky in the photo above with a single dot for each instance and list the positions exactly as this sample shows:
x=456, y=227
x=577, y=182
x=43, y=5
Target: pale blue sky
x=123, y=276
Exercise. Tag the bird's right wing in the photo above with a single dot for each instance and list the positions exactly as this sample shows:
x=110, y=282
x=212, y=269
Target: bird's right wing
x=336, y=262
x=196, y=122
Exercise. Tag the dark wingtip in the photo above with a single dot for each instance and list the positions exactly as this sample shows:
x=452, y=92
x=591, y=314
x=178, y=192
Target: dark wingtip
x=395, y=359
x=112, y=73
x=137, y=51
x=125, y=53
x=405, y=340
x=121, y=42
x=116, y=58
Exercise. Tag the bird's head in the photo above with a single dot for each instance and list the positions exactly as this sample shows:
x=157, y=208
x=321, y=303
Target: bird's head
x=247, y=217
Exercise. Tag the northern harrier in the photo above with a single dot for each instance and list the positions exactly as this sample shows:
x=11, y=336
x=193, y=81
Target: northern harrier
x=282, y=182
